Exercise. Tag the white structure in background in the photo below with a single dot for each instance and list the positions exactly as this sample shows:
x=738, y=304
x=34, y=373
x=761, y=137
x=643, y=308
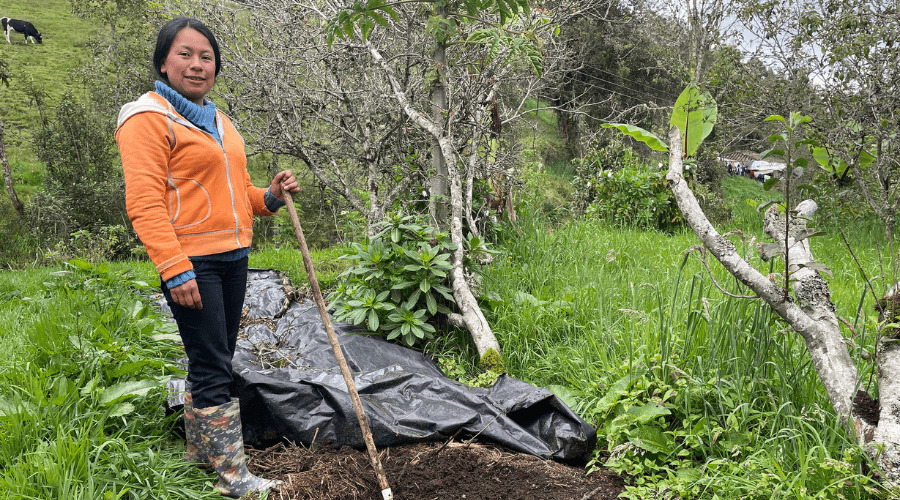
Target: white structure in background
x=748, y=164
x=762, y=169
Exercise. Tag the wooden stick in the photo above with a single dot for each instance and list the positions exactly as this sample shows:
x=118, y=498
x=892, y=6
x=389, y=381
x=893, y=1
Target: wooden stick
x=336, y=347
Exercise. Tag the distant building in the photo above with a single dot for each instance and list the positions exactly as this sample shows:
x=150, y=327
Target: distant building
x=748, y=164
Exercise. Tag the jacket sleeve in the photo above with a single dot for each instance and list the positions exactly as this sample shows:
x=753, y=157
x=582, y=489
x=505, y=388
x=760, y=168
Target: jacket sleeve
x=257, y=197
x=144, y=147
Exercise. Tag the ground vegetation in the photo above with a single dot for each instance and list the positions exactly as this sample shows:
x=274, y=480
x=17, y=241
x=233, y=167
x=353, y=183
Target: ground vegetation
x=695, y=393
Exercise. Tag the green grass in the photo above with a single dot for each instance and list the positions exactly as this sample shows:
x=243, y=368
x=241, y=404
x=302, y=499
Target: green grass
x=81, y=403
x=50, y=67
x=633, y=336
x=72, y=337
x=718, y=393
x=620, y=324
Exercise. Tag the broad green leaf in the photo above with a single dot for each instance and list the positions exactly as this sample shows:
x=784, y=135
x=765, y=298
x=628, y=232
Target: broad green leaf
x=695, y=114
x=123, y=390
x=651, y=438
x=640, y=134
x=771, y=152
x=121, y=409
x=818, y=267
x=80, y=264
x=565, y=394
x=378, y=18
x=373, y=321
x=829, y=163
x=482, y=36
x=763, y=206
x=808, y=233
x=645, y=413
x=617, y=390
x=865, y=159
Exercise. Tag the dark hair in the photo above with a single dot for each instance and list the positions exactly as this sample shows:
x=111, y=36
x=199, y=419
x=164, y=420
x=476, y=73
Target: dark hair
x=167, y=35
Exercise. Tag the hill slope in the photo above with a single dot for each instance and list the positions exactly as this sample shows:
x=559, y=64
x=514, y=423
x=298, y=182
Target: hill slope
x=51, y=68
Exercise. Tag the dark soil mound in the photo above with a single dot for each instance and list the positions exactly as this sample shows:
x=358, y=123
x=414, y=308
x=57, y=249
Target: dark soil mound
x=425, y=471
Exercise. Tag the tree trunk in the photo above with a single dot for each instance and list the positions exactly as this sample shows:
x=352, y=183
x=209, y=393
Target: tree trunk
x=438, y=182
x=7, y=174
x=470, y=317
x=811, y=315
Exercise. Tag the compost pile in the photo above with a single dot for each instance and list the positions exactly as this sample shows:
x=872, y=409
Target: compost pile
x=426, y=471
x=437, y=438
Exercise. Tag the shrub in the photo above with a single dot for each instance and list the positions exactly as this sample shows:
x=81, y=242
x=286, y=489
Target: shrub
x=105, y=243
x=397, y=283
x=16, y=245
x=634, y=197
x=83, y=184
x=599, y=160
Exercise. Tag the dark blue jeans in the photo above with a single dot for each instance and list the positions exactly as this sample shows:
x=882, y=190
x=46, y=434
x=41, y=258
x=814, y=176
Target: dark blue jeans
x=210, y=334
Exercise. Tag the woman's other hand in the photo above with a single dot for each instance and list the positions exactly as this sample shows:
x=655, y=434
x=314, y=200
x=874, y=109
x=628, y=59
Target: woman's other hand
x=187, y=295
x=284, y=181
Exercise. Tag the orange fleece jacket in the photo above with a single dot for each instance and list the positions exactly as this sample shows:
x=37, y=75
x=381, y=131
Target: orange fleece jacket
x=186, y=195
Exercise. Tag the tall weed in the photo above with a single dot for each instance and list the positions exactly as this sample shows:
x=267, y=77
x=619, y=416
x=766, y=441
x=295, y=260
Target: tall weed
x=694, y=394
x=81, y=408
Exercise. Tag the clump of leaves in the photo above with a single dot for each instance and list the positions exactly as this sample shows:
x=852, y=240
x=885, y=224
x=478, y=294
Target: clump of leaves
x=634, y=197
x=397, y=283
x=456, y=370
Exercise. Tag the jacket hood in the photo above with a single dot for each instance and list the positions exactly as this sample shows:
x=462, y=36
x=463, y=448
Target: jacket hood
x=145, y=103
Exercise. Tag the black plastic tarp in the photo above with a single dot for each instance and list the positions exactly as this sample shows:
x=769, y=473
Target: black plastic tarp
x=291, y=388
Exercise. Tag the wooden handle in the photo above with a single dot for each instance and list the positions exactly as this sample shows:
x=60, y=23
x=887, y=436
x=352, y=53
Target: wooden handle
x=336, y=347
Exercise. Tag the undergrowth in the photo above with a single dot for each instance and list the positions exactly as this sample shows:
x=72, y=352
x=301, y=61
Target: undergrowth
x=82, y=397
x=693, y=394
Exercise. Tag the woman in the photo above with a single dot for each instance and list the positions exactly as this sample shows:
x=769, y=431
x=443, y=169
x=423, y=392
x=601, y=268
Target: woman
x=191, y=203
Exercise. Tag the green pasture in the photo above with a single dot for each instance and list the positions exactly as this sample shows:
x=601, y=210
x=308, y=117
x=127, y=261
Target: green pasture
x=44, y=70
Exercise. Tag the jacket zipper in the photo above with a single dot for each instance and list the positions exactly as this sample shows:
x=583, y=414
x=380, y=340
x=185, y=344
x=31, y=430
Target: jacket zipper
x=237, y=222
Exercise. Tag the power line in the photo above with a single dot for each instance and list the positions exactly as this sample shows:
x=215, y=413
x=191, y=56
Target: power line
x=640, y=94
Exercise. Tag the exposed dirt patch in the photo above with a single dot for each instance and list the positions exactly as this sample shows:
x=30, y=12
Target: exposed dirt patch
x=425, y=471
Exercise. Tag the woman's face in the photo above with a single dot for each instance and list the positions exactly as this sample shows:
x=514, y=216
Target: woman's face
x=190, y=65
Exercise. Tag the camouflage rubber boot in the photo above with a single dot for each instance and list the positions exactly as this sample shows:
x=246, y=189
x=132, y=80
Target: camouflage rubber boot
x=221, y=438
x=193, y=454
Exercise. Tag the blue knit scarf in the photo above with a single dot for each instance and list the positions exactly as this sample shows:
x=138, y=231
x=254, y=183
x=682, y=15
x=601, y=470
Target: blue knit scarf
x=203, y=117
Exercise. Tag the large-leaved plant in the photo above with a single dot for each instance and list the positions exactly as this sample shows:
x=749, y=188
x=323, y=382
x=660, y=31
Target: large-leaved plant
x=397, y=283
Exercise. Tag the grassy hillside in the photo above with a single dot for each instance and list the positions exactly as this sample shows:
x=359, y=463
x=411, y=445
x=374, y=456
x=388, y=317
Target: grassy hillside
x=51, y=68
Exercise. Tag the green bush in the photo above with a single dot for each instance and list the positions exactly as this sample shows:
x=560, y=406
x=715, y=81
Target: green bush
x=599, y=159
x=634, y=197
x=612, y=184
x=105, y=243
x=83, y=184
x=397, y=283
x=16, y=245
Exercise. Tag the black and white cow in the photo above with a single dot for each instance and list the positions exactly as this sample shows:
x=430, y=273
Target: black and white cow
x=24, y=27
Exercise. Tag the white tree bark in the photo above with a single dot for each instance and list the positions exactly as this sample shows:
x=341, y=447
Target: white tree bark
x=811, y=315
x=470, y=316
